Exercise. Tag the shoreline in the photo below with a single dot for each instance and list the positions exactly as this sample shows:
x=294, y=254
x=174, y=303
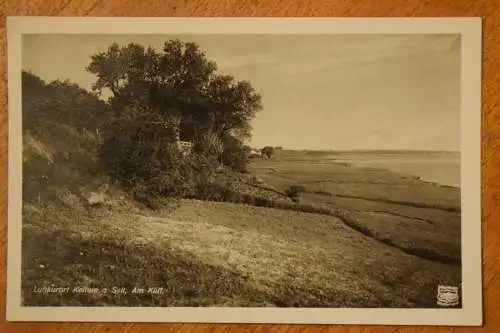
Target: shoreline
x=391, y=160
x=405, y=175
x=381, y=166
x=350, y=180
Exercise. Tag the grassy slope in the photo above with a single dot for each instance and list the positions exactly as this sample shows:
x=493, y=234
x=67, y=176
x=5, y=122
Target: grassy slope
x=367, y=253
x=415, y=216
x=226, y=254
x=239, y=255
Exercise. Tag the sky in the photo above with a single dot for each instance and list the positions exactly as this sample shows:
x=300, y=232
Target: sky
x=337, y=92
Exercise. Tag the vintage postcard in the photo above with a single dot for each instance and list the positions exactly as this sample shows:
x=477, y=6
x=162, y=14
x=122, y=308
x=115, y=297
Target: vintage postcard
x=245, y=170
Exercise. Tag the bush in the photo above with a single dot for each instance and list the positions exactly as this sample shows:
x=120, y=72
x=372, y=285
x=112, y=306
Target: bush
x=236, y=156
x=142, y=154
x=214, y=192
x=268, y=151
x=294, y=192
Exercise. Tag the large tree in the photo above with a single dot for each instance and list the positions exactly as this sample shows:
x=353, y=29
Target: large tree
x=159, y=95
x=180, y=81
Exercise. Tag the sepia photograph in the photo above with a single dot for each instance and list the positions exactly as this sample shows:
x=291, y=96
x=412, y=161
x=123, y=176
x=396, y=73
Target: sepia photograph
x=245, y=170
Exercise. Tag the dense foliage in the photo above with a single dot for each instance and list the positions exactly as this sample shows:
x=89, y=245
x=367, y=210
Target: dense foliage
x=160, y=97
x=61, y=123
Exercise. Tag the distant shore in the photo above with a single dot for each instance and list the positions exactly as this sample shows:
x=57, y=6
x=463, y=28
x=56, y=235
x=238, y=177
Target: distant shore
x=439, y=167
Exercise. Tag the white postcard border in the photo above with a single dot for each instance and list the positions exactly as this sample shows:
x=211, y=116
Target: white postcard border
x=469, y=28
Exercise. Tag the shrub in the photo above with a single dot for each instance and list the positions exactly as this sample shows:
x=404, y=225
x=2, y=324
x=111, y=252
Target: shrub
x=142, y=154
x=214, y=192
x=294, y=192
x=236, y=155
x=267, y=151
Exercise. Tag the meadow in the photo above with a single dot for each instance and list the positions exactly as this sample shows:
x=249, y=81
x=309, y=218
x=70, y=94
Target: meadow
x=358, y=237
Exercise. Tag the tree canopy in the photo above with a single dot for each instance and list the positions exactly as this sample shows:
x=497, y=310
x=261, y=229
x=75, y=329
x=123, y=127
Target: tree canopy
x=160, y=96
x=178, y=81
x=60, y=102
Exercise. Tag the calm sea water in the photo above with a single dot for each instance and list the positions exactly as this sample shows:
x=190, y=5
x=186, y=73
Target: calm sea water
x=442, y=168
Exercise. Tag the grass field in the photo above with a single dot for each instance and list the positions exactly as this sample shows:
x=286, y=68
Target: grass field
x=382, y=240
